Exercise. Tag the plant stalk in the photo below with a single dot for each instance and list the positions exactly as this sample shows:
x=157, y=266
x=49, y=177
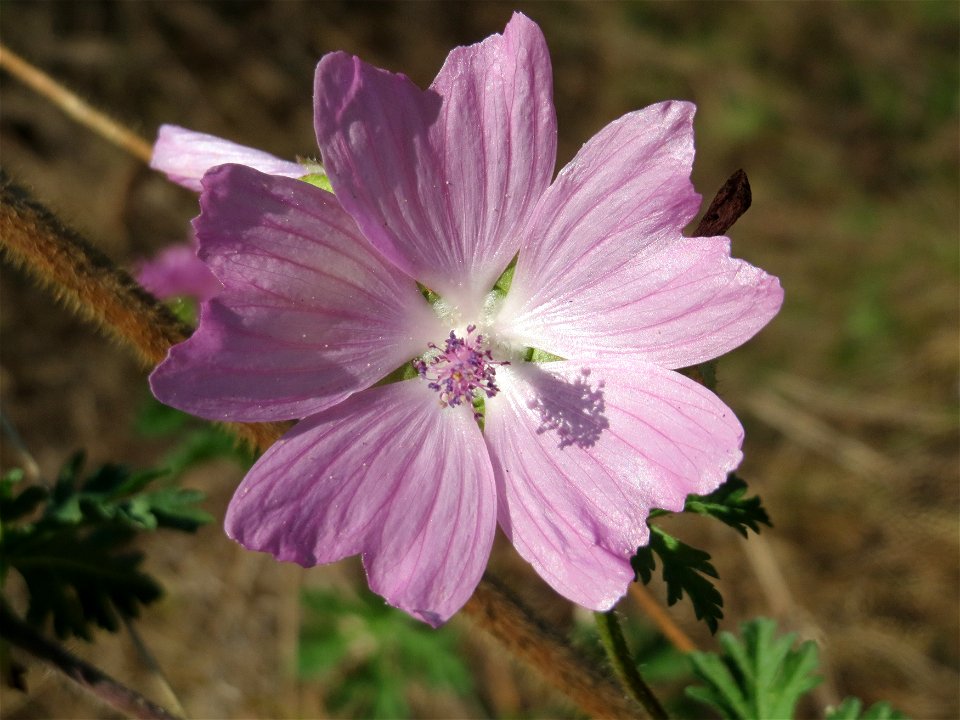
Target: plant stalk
x=611, y=636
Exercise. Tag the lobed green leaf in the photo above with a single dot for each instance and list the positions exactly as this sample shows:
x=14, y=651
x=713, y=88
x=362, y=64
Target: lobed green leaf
x=685, y=570
x=728, y=505
x=757, y=676
x=72, y=544
x=852, y=709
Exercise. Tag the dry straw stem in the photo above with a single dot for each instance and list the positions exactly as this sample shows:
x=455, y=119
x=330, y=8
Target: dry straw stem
x=89, y=284
x=656, y=612
x=74, y=106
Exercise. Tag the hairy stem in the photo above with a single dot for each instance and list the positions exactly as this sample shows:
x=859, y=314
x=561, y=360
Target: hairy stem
x=96, y=682
x=611, y=636
x=496, y=610
x=74, y=106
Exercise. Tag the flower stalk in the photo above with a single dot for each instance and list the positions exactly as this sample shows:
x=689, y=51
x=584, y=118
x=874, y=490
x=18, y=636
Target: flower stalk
x=618, y=653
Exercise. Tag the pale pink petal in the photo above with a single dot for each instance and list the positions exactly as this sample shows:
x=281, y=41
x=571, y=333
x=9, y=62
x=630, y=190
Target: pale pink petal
x=177, y=272
x=184, y=156
x=626, y=192
x=388, y=474
x=440, y=180
x=685, y=304
x=583, y=452
x=309, y=314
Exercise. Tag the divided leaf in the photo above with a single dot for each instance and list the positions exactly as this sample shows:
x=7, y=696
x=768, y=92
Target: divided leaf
x=79, y=578
x=375, y=655
x=757, y=677
x=112, y=492
x=851, y=707
x=728, y=505
x=685, y=570
x=72, y=543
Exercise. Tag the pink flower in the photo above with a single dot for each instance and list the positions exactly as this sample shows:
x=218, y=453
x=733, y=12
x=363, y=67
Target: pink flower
x=445, y=187
x=176, y=271
x=184, y=156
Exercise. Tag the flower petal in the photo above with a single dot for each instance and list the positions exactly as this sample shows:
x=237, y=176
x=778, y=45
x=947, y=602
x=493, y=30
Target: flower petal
x=440, y=180
x=309, y=314
x=184, y=156
x=582, y=453
x=177, y=271
x=685, y=304
x=626, y=192
x=387, y=473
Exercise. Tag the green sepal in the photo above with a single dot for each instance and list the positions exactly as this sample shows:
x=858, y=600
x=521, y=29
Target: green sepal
x=757, y=676
x=502, y=286
x=185, y=308
x=429, y=295
x=480, y=408
x=318, y=179
x=539, y=356
x=405, y=372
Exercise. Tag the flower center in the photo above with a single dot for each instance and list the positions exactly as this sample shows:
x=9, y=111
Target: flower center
x=460, y=370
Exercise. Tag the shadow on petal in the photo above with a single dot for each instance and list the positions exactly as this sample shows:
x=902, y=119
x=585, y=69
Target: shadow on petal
x=574, y=411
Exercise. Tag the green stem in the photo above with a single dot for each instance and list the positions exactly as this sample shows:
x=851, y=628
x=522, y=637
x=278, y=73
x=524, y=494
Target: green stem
x=624, y=665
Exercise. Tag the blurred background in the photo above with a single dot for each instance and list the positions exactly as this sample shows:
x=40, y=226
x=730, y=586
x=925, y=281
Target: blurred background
x=845, y=117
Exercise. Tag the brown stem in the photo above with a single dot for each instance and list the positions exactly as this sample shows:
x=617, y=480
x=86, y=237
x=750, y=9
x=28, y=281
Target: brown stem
x=497, y=611
x=74, y=106
x=94, y=681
